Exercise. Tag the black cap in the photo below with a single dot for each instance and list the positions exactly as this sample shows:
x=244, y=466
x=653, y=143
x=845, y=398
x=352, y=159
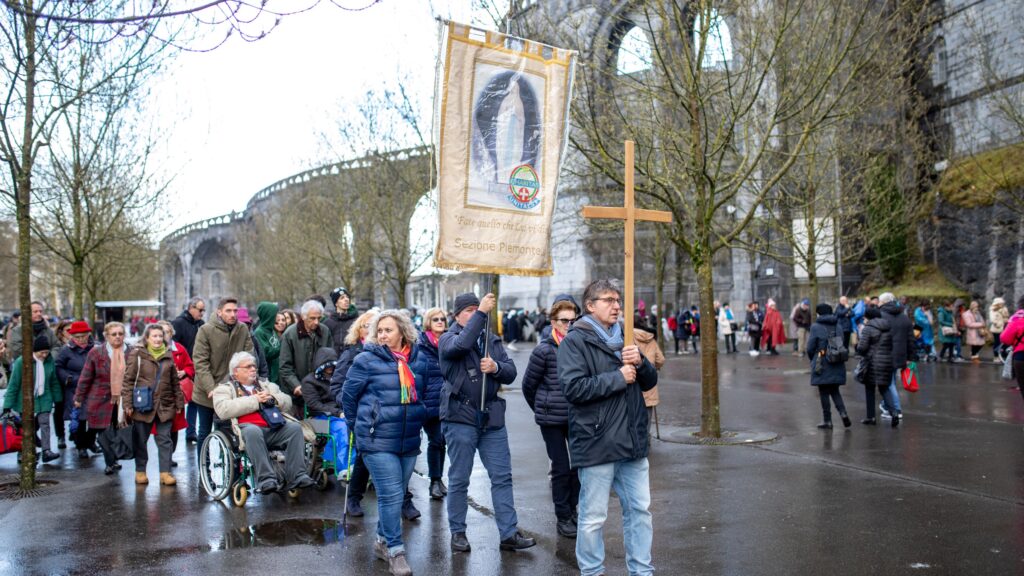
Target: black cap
x=823, y=309
x=40, y=343
x=16, y=314
x=463, y=301
x=337, y=292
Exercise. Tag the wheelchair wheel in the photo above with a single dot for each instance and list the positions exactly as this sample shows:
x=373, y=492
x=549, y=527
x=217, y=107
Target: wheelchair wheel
x=217, y=465
x=293, y=493
x=239, y=494
x=323, y=480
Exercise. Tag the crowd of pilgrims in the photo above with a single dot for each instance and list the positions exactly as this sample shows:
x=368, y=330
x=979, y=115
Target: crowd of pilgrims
x=375, y=365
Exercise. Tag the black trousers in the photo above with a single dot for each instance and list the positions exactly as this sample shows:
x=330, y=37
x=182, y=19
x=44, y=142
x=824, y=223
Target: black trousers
x=827, y=392
x=565, y=482
x=755, y=340
x=1018, y=370
x=435, y=447
x=58, y=420
x=947, y=347
x=730, y=338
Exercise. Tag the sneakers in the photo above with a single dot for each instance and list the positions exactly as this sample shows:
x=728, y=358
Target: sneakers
x=354, y=508
x=167, y=480
x=517, y=542
x=755, y=353
x=409, y=511
x=896, y=420
x=49, y=456
x=397, y=566
x=567, y=528
x=460, y=543
x=884, y=412
x=141, y=479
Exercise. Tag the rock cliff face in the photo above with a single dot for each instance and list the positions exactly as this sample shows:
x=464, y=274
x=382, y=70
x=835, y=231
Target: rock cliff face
x=979, y=249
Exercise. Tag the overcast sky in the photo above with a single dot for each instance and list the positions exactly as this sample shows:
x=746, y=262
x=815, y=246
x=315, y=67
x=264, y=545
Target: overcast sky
x=246, y=115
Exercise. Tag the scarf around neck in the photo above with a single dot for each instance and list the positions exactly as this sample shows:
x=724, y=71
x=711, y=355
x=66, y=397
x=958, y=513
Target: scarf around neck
x=612, y=337
x=557, y=336
x=405, y=375
x=40, y=378
x=116, y=371
x=432, y=338
x=156, y=353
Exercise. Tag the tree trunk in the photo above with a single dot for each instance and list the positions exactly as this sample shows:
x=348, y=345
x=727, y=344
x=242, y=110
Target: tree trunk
x=23, y=216
x=710, y=417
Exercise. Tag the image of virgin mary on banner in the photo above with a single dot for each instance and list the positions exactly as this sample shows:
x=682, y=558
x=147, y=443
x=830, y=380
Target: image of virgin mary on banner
x=502, y=131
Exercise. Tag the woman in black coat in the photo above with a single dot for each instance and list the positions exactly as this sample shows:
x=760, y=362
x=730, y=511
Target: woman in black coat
x=827, y=376
x=543, y=393
x=875, y=344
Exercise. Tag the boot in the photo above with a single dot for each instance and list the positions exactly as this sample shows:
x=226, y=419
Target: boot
x=140, y=478
x=397, y=566
x=49, y=456
x=459, y=542
x=846, y=420
x=167, y=480
x=895, y=419
x=409, y=511
x=355, y=509
x=436, y=493
x=869, y=421
x=567, y=528
x=517, y=542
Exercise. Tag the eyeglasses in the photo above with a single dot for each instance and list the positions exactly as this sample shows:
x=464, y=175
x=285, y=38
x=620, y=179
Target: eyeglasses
x=438, y=319
x=564, y=320
x=247, y=366
x=112, y=334
x=611, y=300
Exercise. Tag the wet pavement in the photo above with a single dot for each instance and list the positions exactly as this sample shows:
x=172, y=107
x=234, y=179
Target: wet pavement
x=942, y=494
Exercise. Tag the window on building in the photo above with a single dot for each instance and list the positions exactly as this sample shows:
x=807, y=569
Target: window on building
x=718, y=48
x=634, y=52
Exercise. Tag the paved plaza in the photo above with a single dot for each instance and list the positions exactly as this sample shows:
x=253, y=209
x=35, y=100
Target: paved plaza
x=940, y=495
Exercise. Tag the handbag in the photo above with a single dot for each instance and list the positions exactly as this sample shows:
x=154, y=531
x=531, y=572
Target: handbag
x=118, y=438
x=909, y=376
x=949, y=331
x=142, y=398
x=860, y=371
x=272, y=415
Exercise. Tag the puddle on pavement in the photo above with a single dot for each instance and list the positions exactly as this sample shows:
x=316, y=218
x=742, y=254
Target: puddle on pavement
x=309, y=531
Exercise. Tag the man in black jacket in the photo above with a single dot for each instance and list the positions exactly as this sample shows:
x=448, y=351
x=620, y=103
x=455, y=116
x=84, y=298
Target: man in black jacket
x=468, y=353
x=603, y=381
x=186, y=326
x=339, y=321
x=902, y=329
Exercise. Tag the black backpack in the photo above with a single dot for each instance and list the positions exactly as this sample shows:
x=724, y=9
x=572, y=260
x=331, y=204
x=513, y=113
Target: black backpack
x=835, y=352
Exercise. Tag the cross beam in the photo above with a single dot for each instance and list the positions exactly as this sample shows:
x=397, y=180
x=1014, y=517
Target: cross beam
x=630, y=214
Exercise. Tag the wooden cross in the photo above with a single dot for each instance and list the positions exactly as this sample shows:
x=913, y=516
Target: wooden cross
x=631, y=215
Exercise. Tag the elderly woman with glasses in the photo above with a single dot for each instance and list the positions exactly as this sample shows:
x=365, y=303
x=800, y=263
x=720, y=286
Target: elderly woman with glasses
x=543, y=392
x=68, y=364
x=100, y=386
x=256, y=409
x=436, y=324
x=383, y=397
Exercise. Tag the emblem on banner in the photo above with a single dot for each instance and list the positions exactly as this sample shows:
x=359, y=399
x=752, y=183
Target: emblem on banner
x=524, y=187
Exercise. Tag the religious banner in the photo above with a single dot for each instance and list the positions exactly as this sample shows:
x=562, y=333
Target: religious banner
x=502, y=126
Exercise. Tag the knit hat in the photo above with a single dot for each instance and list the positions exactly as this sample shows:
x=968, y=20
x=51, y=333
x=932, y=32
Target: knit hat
x=337, y=292
x=463, y=301
x=40, y=343
x=79, y=327
x=823, y=309
x=806, y=301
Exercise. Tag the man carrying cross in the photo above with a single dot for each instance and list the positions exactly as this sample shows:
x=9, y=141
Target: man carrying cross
x=604, y=379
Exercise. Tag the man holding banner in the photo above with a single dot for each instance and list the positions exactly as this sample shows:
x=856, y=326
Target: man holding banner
x=473, y=418
x=603, y=380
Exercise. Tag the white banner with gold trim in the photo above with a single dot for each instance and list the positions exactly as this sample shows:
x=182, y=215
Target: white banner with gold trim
x=502, y=126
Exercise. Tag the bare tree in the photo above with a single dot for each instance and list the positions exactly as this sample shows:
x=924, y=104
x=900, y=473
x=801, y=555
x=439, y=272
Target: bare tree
x=721, y=123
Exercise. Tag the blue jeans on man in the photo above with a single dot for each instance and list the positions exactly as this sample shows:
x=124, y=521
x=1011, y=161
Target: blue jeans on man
x=892, y=397
x=190, y=421
x=464, y=441
x=631, y=482
x=391, y=473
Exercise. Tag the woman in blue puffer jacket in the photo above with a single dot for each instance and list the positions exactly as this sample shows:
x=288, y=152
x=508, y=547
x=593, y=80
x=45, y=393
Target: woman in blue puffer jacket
x=543, y=392
x=386, y=397
x=427, y=362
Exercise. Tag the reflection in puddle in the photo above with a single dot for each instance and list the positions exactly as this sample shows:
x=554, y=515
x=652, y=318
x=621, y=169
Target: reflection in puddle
x=311, y=531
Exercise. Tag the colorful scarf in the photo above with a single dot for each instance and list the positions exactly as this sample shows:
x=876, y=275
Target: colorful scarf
x=433, y=338
x=557, y=336
x=405, y=375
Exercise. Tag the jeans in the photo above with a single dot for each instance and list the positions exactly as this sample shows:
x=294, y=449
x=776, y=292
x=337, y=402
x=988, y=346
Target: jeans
x=631, y=482
x=205, y=424
x=190, y=418
x=391, y=474
x=140, y=440
x=464, y=441
x=892, y=399
x=565, y=482
x=260, y=439
x=435, y=448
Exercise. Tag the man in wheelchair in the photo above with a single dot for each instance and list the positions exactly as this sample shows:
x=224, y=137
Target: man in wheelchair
x=256, y=409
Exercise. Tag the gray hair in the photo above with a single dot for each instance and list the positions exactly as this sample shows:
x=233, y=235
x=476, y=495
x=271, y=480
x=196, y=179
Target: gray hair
x=310, y=305
x=404, y=326
x=237, y=359
x=595, y=289
x=193, y=302
x=886, y=297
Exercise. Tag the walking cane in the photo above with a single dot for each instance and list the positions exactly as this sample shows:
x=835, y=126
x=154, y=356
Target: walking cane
x=348, y=483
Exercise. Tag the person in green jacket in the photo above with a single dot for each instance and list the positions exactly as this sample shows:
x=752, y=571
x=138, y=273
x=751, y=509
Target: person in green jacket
x=298, y=345
x=47, y=391
x=266, y=314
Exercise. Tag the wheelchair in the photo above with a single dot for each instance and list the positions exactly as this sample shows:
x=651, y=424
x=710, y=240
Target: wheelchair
x=225, y=470
x=321, y=470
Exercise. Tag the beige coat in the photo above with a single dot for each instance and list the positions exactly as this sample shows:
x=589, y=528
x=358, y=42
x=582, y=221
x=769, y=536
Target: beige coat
x=998, y=316
x=649, y=348
x=230, y=405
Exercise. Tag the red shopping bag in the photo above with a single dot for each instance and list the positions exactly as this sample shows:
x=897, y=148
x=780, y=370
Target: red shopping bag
x=910, y=378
